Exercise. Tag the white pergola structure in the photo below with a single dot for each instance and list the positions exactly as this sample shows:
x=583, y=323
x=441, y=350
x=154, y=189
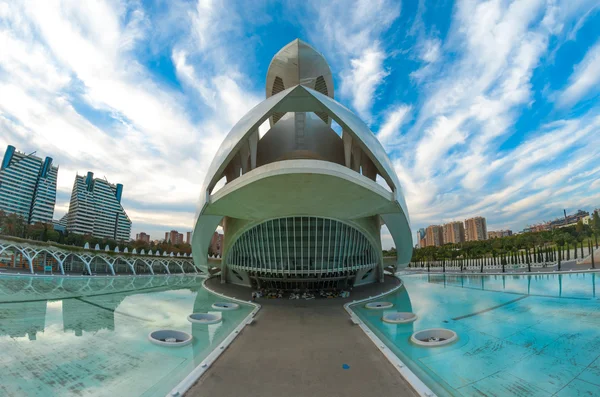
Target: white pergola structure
x=61, y=258
x=301, y=206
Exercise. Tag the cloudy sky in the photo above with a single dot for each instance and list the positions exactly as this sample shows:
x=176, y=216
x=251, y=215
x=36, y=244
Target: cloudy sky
x=486, y=108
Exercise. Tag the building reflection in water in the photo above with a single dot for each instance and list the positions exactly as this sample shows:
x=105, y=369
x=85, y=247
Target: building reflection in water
x=564, y=285
x=75, y=305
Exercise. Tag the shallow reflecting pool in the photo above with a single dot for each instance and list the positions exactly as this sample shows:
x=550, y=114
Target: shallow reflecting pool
x=89, y=336
x=535, y=335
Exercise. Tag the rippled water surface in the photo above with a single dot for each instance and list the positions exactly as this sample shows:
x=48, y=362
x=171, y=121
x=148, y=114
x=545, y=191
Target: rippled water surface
x=88, y=336
x=535, y=335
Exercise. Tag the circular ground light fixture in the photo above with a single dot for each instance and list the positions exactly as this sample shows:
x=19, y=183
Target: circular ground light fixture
x=205, y=318
x=170, y=337
x=379, y=305
x=225, y=306
x=399, y=317
x=433, y=337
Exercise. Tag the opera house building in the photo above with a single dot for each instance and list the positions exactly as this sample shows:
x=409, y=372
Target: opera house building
x=302, y=206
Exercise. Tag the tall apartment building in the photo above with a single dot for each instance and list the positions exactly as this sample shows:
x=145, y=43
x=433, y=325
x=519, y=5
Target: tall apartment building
x=476, y=229
x=95, y=209
x=174, y=237
x=434, y=236
x=28, y=186
x=143, y=237
x=216, y=244
x=454, y=232
x=188, y=237
x=499, y=233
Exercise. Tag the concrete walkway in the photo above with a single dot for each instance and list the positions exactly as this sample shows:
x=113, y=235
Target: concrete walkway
x=298, y=348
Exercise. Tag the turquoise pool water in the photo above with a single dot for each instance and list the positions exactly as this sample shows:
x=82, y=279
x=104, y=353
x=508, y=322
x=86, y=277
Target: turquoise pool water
x=528, y=336
x=88, y=336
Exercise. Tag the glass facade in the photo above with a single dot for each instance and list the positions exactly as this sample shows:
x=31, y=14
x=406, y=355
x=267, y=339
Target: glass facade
x=301, y=248
x=95, y=209
x=28, y=186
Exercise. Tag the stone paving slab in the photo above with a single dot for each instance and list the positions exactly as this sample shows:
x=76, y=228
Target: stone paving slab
x=302, y=348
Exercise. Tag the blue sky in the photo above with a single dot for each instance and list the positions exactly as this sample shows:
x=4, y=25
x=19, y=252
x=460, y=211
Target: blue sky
x=485, y=108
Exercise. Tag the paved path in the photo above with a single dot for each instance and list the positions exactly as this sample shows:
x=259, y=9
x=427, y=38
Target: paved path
x=298, y=348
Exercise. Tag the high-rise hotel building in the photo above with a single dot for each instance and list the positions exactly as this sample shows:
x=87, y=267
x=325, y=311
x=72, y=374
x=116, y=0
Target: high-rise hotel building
x=96, y=209
x=28, y=186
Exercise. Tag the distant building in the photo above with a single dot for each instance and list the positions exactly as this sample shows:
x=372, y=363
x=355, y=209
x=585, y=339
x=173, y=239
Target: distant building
x=95, y=209
x=454, y=232
x=59, y=226
x=476, y=229
x=567, y=220
x=539, y=227
x=570, y=220
x=28, y=186
x=188, y=237
x=143, y=237
x=499, y=234
x=434, y=236
x=216, y=244
x=174, y=237
x=420, y=237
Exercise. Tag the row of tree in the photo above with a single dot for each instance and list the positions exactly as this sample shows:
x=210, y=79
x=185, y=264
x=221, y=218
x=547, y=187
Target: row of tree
x=15, y=226
x=545, y=246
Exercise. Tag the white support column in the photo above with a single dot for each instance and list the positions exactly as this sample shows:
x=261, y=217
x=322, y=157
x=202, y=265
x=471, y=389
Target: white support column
x=264, y=250
x=280, y=244
x=335, y=247
x=60, y=265
x=244, y=157
x=323, y=246
x=266, y=227
x=330, y=232
x=287, y=244
x=302, y=245
x=356, y=155
x=87, y=264
x=263, y=265
x=295, y=244
x=346, y=245
x=150, y=265
x=130, y=264
x=347, y=140
x=248, y=260
x=274, y=250
x=253, y=145
x=30, y=263
x=316, y=236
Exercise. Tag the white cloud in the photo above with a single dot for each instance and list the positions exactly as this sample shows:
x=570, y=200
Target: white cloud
x=395, y=118
x=430, y=50
x=360, y=82
x=584, y=80
x=450, y=164
x=351, y=35
x=63, y=55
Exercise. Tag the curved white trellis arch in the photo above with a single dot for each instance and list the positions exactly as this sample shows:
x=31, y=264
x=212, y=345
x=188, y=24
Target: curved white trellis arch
x=30, y=252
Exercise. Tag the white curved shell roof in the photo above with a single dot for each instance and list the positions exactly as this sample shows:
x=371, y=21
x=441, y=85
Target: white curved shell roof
x=300, y=81
x=298, y=64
